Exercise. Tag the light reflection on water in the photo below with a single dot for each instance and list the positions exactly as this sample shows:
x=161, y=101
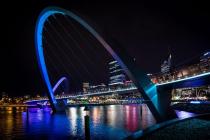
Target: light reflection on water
x=106, y=122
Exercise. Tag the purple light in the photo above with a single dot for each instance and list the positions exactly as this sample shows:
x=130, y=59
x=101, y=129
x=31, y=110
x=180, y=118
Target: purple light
x=58, y=83
x=184, y=114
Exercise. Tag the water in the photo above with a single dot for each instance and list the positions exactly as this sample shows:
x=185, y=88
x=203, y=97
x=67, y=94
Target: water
x=106, y=122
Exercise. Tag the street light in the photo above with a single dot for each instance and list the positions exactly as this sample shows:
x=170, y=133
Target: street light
x=87, y=123
x=87, y=111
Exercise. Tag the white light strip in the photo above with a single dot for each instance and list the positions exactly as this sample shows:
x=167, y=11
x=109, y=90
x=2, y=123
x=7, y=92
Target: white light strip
x=90, y=94
x=125, y=89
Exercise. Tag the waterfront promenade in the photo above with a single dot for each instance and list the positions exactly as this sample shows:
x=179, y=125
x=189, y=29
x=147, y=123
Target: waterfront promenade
x=191, y=129
x=191, y=125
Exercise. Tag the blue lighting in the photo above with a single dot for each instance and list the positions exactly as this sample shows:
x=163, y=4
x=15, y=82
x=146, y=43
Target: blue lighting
x=207, y=53
x=58, y=83
x=39, y=49
x=195, y=102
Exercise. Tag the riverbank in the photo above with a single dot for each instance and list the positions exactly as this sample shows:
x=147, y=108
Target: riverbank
x=196, y=127
x=191, y=129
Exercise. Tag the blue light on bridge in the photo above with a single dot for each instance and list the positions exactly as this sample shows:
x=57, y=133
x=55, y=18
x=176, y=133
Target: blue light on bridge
x=195, y=102
x=58, y=83
x=39, y=49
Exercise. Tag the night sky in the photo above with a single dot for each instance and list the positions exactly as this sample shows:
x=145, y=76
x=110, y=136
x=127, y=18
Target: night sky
x=148, y=30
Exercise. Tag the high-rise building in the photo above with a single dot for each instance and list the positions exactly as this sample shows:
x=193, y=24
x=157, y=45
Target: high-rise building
x=205, y=61
x=85, y=87
x=166, y=66
x=116, y=74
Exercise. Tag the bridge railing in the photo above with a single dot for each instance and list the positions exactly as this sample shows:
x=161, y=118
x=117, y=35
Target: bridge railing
x=79, y=94
x=186, y=72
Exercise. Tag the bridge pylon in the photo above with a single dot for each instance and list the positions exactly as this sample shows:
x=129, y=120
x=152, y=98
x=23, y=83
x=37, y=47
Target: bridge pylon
x=60, y=107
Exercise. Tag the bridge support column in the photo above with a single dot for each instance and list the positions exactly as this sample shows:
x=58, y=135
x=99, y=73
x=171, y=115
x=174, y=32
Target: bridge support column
x=59, y=107
x=164, y=102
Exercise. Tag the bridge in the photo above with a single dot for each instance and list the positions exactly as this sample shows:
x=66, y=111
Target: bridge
x=159, y=99
x=200, y=79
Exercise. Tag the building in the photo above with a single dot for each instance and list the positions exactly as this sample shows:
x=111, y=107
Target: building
x=97, y=88
x=205, y=61
x=116, y=74
x=166, y=66
x=85, y=87
x=5, y=98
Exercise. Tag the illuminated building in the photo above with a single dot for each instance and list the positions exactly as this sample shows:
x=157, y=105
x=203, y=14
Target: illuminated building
x=27, y=97
x=94, y=88
x=205, y=61
x=166, y=66
x=117, y=76
x=85, y=87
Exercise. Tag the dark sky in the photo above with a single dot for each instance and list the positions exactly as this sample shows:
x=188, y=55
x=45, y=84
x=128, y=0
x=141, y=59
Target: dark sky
x=145, y=29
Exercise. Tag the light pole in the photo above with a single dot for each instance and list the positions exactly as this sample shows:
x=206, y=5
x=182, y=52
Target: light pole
x=87, y=123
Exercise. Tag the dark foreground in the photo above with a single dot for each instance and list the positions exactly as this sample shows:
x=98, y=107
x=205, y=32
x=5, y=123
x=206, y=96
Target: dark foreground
x=193, y=123
x=194, y=108
x=193, y=129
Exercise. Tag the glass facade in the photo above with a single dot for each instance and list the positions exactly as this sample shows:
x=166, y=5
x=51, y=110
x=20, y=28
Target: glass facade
x=116, y=74
x=166, y=66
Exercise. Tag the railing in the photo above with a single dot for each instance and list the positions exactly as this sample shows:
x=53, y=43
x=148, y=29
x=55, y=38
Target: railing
x=183, y=73
x=130, y=88
x=183, y=78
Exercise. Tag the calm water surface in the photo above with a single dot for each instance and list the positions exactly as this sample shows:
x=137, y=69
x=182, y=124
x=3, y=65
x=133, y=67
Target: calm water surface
x=106, y=122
